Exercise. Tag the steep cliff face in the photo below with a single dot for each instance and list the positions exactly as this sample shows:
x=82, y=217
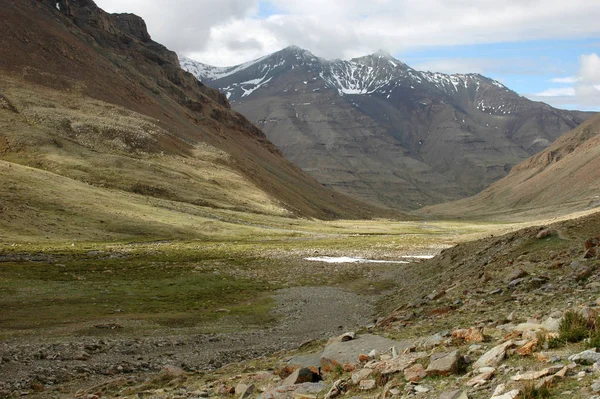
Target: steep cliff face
x=73, y=47
x=377, y=129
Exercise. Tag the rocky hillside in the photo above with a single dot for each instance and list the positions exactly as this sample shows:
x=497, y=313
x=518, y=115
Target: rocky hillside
x=378, y=130
x=562, y=177
x=509, y=317
x=90, y=96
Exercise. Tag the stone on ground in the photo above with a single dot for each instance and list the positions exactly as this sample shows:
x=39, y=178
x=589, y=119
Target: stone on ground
x=493, y=357
x=339, y=353
x=443, y=363
x=456, y=394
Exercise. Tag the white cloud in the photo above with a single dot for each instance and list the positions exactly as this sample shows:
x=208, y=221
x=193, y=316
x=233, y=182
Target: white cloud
x=213, y=30
x=585, y=94
x=560, y=92
x=568, y=79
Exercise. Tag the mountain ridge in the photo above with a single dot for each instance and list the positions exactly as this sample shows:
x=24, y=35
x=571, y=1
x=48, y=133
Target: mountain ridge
x=378, y=130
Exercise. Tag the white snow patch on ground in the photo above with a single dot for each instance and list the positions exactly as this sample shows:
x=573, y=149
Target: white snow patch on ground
x=346, y=259
x=419, y=256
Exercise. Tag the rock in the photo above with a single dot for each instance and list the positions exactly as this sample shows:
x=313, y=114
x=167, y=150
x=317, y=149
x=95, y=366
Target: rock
x=348, y=368
x=529, y=330
x=511, y=316
x=486, y=373
x=436, y=295
x=516, y=282
x=469, y=335
x=595, y=386
x=367, y=385
x=300, y=376
x=421, y=389
x=349, y=336
x=431, y=341
x=590, y=253
x=588, y=357
x=415, y=373
x=294, y=391
x=362, y=358
x=517, y=274
x=173, y=371
x=528, y=348
x=551, y=324
x=336, y=389
x=514, y=394
x=532, y=375
x=443, y=363
x=584, y=273
x=311, y=361
x=500, y=389
x=360, y=375
x=457, y=394
x=338, y=353
x=374, y=354
x=493, y=357
x=397, y=364
x=243, y=391
x=224, y=390
x=545, y=233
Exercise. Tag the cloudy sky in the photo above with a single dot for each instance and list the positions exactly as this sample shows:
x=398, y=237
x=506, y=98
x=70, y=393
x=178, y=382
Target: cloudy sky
x=546, y=50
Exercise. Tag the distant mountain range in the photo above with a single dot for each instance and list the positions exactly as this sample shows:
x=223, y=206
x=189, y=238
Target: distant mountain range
x=378, y=130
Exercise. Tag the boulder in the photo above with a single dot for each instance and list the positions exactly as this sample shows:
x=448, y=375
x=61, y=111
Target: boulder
x=493, y=357
x=339, y=353
x=443, y=363
x=589, y=357
x=397, y=364
x=294, y=391
x=311, y=361
x=300, y=376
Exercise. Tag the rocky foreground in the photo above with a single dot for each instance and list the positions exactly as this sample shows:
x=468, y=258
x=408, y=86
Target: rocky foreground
x=515, y=316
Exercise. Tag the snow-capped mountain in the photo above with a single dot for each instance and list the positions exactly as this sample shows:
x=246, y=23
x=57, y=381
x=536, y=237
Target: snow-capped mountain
x=375, y=128
x=376, y=73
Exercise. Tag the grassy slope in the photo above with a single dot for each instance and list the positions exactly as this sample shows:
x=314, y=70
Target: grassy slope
x=561, y=179
x=97, y=104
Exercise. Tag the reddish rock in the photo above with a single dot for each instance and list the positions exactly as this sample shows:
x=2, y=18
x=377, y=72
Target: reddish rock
x=415, y=373
x=348, y=368
x=528, y=348
x=469, y=335
x=363, y=358
x=591, y=253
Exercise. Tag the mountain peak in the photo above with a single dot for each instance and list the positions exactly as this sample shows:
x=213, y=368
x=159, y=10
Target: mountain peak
x=384, y=54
